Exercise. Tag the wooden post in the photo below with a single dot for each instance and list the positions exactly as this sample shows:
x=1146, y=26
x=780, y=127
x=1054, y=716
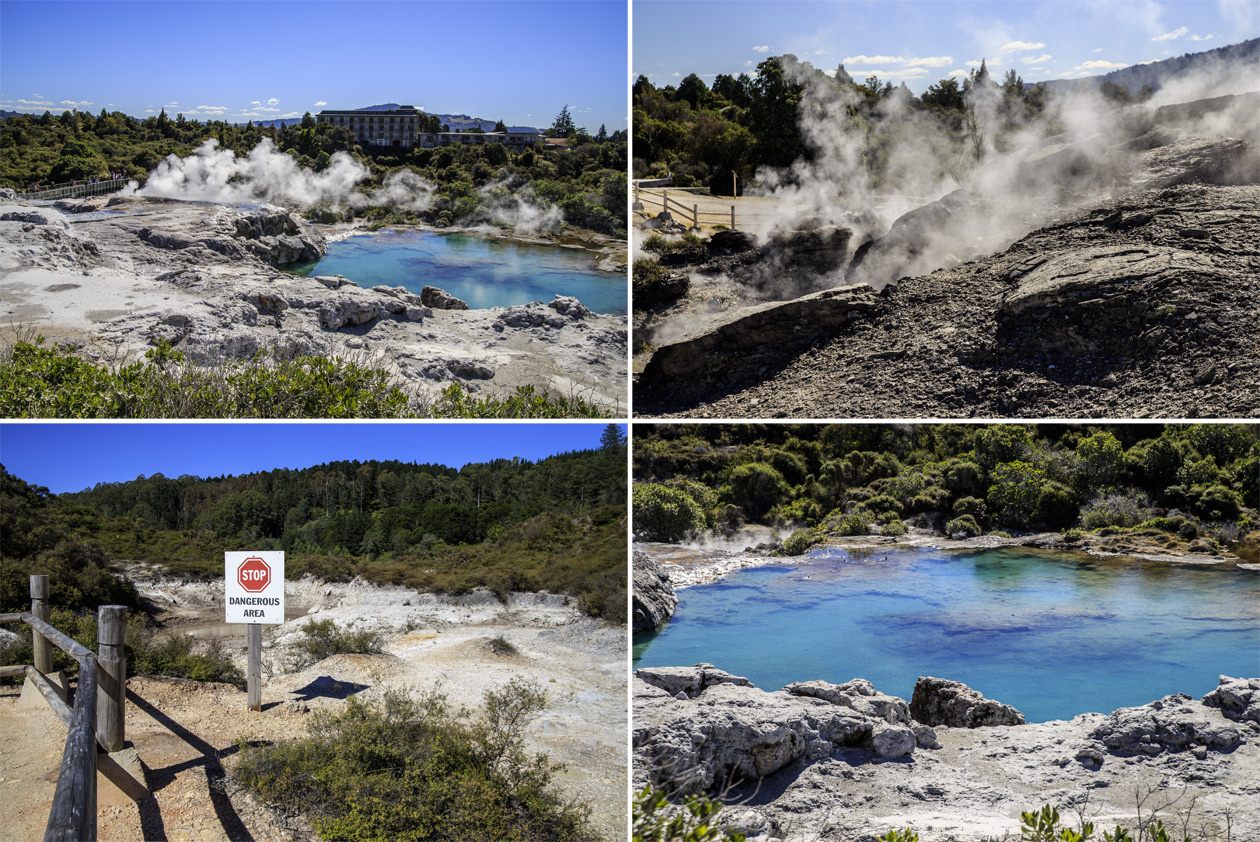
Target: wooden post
x=254, y=668
x=695, y=217
x=732, y=217
x=73, y=813
x=39, y=607
x=111, y=700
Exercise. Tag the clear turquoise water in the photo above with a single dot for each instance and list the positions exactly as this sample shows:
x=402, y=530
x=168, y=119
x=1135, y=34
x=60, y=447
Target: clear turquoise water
x=1053, y=635
x=483, y=271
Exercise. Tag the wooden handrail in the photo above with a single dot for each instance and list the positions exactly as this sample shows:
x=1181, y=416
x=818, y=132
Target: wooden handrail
x=73, y=814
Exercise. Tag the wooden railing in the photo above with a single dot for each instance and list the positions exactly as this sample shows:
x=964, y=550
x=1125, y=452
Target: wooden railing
x=665, y=202
x=98, y=714
x=76, y=190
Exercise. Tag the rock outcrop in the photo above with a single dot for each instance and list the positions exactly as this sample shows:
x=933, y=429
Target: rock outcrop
x=654, y=599
x=1238, y=699
x=440, y=299
x=800, y=763
x=939, y=701
x=1173, y=723
x=741, y=337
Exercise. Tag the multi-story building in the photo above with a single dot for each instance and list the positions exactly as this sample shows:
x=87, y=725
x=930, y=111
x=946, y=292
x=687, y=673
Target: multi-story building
x=401, y=126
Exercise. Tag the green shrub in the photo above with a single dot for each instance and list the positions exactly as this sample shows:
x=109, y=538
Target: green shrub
x=661, y=245
x=973, y=506
x=1218, y=502
x=322, y=639
x=406, y=768
x=893, y=527
x=855, y=523
x=1071, y=536
x=964, y=527
x=1124, y=509
x=799, y=542
x=755, y=487
x=665, y=514
x=655, y=819
x=40, y=382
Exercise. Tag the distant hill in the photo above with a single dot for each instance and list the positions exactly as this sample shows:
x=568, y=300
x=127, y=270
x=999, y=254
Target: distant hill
x=457, y=122
x=1157, y=73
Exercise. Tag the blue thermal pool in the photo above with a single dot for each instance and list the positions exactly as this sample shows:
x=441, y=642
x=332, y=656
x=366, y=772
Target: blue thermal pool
x=483, y=271
x=1053, y=634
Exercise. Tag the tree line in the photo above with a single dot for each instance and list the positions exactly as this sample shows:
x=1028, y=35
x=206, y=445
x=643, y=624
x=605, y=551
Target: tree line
x=720, y=136
x=586, y=180
x=510, y=524
x=956, y=478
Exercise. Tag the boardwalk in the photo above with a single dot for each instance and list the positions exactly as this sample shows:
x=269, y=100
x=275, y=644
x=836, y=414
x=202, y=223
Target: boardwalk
x=75, y=191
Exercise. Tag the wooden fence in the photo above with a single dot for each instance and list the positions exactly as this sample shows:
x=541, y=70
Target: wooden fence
x=97, y=717
x=76, y=190
x=665, y=202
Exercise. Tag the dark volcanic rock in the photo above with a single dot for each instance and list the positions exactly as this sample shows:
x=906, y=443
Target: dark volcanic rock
x=654, y=598
x=1164, y=328
x=773, y=327
x=938, y=701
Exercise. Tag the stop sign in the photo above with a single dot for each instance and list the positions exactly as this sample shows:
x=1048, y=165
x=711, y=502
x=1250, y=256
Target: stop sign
x=254, y=574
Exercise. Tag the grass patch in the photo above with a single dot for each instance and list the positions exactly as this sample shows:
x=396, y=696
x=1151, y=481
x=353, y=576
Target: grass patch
x=411, y=768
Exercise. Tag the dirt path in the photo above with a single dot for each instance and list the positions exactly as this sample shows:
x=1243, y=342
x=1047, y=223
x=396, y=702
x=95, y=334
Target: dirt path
x=186, y=733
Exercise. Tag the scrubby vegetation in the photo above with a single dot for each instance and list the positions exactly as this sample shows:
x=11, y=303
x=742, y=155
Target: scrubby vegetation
x=322, y=639
x=42, y=382
x=584, y=183
x=655, y=819
x=410, y=768
x=1174, y=482
x=509, y=525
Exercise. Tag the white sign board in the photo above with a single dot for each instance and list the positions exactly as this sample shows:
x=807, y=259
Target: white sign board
x=254, y=586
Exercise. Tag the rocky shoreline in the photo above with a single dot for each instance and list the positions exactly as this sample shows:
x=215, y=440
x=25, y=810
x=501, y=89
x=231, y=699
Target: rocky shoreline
x=205, y=278
x=684, y=566
x=821, y=761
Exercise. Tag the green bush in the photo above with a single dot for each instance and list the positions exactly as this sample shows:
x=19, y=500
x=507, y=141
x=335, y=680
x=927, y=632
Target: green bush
x=755, y=487
x=799, y=542
x=665, y=514
x=893, y=527
x=322, y=639
x=1123, y=509
x=973, y=506
x=965, y=526
x=1071, y=536
x=661, y=245
x=410, y=769
x=855, y=523
x=38, y=382
x=655, y=819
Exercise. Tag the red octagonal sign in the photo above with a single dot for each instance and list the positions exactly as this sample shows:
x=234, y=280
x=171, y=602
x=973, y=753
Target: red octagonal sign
x=254, y=574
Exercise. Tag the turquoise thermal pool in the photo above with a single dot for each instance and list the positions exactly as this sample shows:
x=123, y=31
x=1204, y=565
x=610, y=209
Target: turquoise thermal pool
x=1054, y=634
x=483, y=271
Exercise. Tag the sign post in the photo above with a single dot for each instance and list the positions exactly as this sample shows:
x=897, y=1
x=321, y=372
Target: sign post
x=253, y=586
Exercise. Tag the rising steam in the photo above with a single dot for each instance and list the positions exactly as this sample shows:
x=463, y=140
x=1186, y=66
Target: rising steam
x=212, y=174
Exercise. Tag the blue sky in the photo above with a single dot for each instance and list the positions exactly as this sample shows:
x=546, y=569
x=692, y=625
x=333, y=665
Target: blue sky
x=520, y=61
x=923, y=41
x=73, y=456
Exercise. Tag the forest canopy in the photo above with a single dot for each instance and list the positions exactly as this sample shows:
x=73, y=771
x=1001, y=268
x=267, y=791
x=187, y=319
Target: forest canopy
x=852, y=479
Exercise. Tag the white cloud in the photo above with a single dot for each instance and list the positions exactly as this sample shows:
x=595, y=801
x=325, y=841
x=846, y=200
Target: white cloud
x=1172, y=36
x=170, y=105
x=273, y=101
x=764, y=48
x=675, y=75
x=1018, y=46
x=1100, y=65
x=321, y=104
x=255, y=103
x=74, y=104
x=1037, y=60
x=33, y=103
x=822, y=52
x=912, y=72
x=958, y=74
x=931, y=61
x=1037, y=69
x=973, y=64
x=1099, y=50
x=1202, y=37
x=873, y=60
